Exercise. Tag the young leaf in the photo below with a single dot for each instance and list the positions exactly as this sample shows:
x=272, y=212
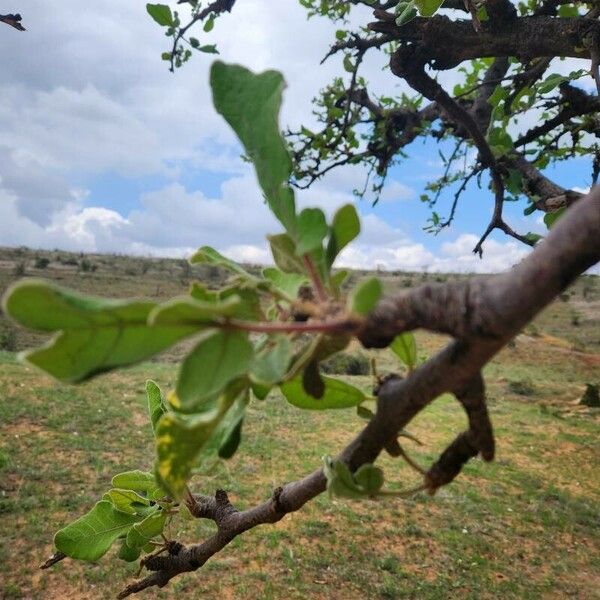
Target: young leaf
x=270, y=364
x=250, y=103
x=231, y=443
x=428, y=8
x=365, y=296
x=95, y=334
x=551, y=218
x=180, y=439
x=193, y=314
x=286, y=283
x=161, y=13
x=127, y=501
x=219, y=357
x=144, y=531
x=364, y=413
x=369, y=477
x=339, y=479
x=345, y=227
x=404, y=347
x=138, y=481
x=337, y=394
x=311, y=230
x=156, y=404
x=90, y=537
x=210, y=256
x=284, y=253
x=127, y=553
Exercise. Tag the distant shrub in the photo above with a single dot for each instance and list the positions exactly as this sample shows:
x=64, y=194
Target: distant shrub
x=532, y=330
x=87, y=266
x=19, y=269
x=591, y=396
x=41, y=262
x=8, y=338
x=346, y=363
x=575, y=319
x=522, y=387
x=407, y=282
x=69, y=261
x=565, y=297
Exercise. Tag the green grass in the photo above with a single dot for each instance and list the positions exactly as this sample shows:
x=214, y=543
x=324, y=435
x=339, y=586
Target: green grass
x=525, y=526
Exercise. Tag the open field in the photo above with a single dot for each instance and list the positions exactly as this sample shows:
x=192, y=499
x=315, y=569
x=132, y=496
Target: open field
x=525, y=526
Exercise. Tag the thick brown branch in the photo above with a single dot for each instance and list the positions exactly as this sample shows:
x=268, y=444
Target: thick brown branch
x=448, y=43
x=493, y=310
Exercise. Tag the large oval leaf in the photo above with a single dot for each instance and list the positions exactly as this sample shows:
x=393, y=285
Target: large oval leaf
x=92, y=535
x=95, y=334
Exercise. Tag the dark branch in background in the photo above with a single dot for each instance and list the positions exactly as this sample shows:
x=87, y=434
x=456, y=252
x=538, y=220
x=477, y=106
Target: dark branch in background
x=409, y=64
x=483, y=314
x=13, y=21
x=448, y=43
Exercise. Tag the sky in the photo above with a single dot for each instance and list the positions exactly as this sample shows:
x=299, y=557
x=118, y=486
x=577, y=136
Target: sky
x=102, y=149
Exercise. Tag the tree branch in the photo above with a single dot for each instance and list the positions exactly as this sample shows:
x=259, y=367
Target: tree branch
x=484, y=313
x=448, y=43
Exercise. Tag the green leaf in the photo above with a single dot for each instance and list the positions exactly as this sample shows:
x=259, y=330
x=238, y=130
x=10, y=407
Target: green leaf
x=364, y=413
x=208, y=255
x=369, y=477
x=339, y=479
x=533, y=238
x=337, y=394
x=95, y=334
x=180, y=439
x=161, y=13
x=551, y=218
x=138, y=481
x=286, y=283
x=248, y=307
x=366, y=296
x=90, y=537
x=407, y=13
x=260, y=391
x=367, y=481
x=229, y=447
x=270, y=364
x=250, y=103
x=192, y=314
x=348, y=64
x=210, y=23
x=218, y=358
x=127, y=553
x=311, y=230
x=345, y=228
x=209, y=49
x=141, y=533
x=284, y=253
x=128, y=501
x=404, y=347
x=428, y=8
x=338, y=278
x=552, y=81
x=156, y=404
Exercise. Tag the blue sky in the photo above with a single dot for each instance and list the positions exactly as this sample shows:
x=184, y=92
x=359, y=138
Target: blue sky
x=102, y=149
